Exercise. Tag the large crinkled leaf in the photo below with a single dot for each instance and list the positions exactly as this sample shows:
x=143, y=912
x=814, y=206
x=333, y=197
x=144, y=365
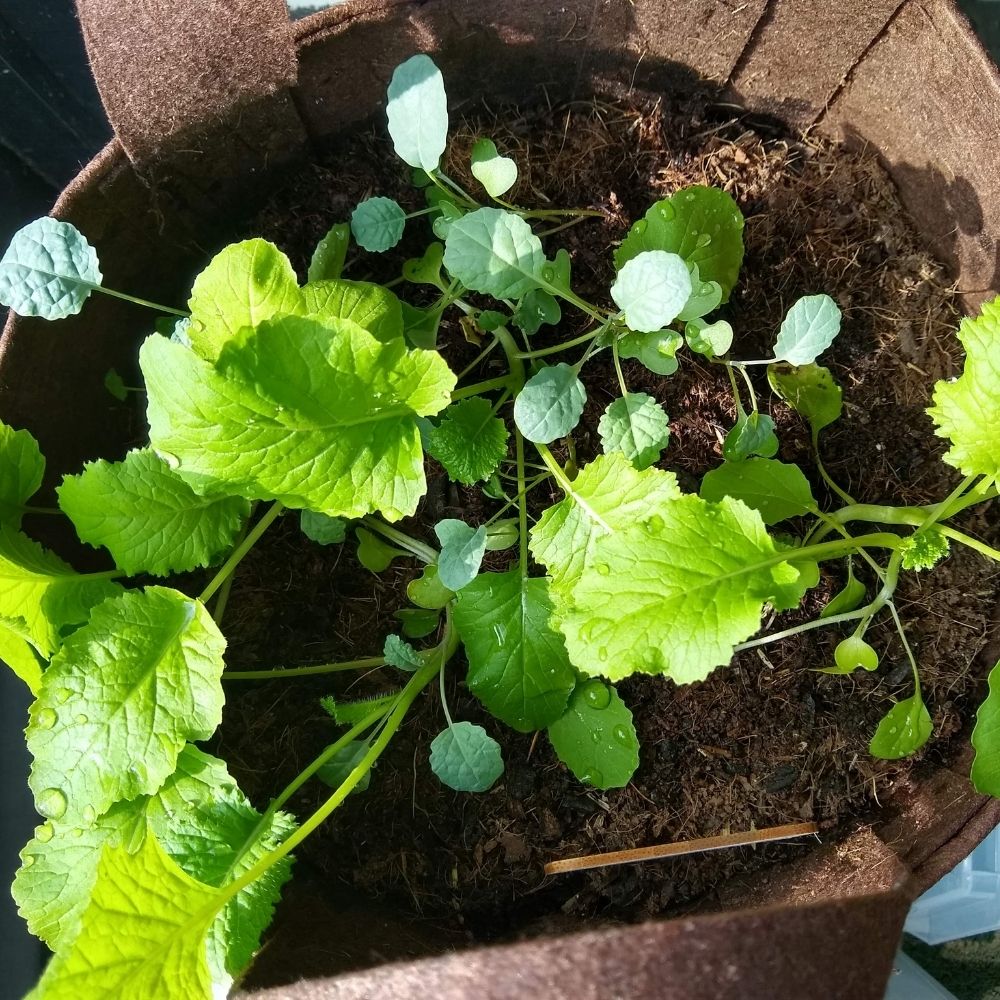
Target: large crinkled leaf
x=494, y=252
x=142, y=934
x=119, y=701
x=967, y=411
x=674, y=591
x=986, y=740
x=470, y=442
x=637, y=426
x=613, y=491
x=21, y=471
x=49, y=270
x=149, y=519
x=317, y=416
x=518, y=666
x=19, y=652
x=201, y=819
x=249, y=282
x=701, y=224
x=45, y=592
x=417, y=110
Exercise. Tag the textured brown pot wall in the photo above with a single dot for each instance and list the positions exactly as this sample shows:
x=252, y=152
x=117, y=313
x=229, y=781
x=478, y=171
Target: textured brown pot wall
x=209, y=98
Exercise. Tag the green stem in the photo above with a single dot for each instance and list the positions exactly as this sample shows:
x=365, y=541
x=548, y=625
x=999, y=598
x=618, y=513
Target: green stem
x=450, y=188
x=480, y=387
x=827, y=478
x=242, y=549
x=522, y=506
x=906, y=648
x=564, y=346
x=746, y=378
x=575, y=221
x=618, y=368
x=507, y=342
x=567, y=487
x=480, y=357
x=420, y=549
x=28, y=509
x=511, y=503
x=366, y=663
x=423, y=211
x=141, y=302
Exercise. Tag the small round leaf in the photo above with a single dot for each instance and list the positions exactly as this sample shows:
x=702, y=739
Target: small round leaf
x=637, y=426
x=651, y=289
x=378, y=224
x=496, y=173
x=550, y=404
x=465, y=758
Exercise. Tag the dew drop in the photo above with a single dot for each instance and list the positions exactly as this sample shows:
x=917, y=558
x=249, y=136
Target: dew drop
x=27, y=861
x=501, y=633
x=703, y=240
x=595, y=736
x=82, y=720
x=44, y=833
x=76, y=833
x=594, y=778
x=602, y=654
x=89, y=814
x=654, y=524
x=63, y=695
x=587, y=631
x=622, y=735
x=597, y=694
x=603, y=568
x=51, y=803
x=172, y=460
x=689, y=196
x=667, y=212
x=46, y=718
x=640, y=227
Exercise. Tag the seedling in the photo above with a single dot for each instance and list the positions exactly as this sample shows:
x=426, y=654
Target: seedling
x=152, y=875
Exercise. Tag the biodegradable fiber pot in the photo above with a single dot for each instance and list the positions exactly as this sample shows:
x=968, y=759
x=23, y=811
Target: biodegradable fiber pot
x=209, y=97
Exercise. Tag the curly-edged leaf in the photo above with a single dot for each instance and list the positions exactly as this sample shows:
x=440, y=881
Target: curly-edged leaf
x=752, y=435
x=465, y=758
x=470, y=441
x=710, y=339
x=462, y=551
x=321, y=528
x=377, y=224
x=426, y=270
x=495, y=252
x=149, y=519
x=537, y=308
x=45, y=592
x=49, y=270
x=427, y=590
x=550, y=404
x=905, y=728
x=401, y=654
x=143, y=933
x=518, y=666
x=595, y=737
x=322, y=417
x=701, y=224
x=371, y=306
x=986, y=740
x=690, y=582
x=656, y=350
x=705, y=296
x=651, y=289
x=338, y=768
x=19, y=652
x=203, y=822
x=924, y=549
x=21, y=469
x=120, y=699
x=808, y=329
x=609, y=494
x=809, y=390
x=417, y=622
x=328, y=258
x=776, y=490
x=375, y=553
x=967, y=410
x=496, y=173
x=417, y=111
x=637, y=426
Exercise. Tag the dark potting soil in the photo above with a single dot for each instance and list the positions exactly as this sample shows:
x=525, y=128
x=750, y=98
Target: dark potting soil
x=765, y=741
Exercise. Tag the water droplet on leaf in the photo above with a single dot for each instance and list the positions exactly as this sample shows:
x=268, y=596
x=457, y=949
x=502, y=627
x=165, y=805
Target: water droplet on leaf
x=89, y=814
x=44, y=832
x=82, y=720
x=46, y=718
x=63, y=695
x=622, y=735
x=603, y=568
x=703, y=240
x=27, y=861
x=51, y=803
x=597, y=694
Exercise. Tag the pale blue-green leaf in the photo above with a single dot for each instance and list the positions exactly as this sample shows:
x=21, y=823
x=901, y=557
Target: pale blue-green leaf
x=808, y=329
x=752, y=435
x=401, y=654
x=651, y=289
x=550, y=404
x=705, y=296
x=462, y=551
x=465, y=758
x=657, y=350
x=711, y=339
x=377, y=224
x=417, y=111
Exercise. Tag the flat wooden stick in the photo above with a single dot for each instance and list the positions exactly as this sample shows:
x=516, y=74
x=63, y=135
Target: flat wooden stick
x=681, y=847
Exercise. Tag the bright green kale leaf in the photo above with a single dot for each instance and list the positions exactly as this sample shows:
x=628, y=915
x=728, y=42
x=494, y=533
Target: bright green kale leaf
x=465, y=758
x=701, y=224
x=502, y=534
x=417, y=622
x=19, y=652
x=45, y=592
x=494, y=252
x=518, y=666
x=470, y=442
x=850, y=597
x=905, y=729
x=657, y=350
x=427, y=591
x=338, y=768
x=462, y=551
x=496, y=173
x=637, y=426
x=21, y=471
x=321, y=528
x=120, y=699
x=142, y=934
x=550, y=404
x=651, y=289
x=595, y=737
x=610, y=494
x=426, y=270
x=710, y=339
x=967, y=410
x=809, y=390
x=417, y=111
x=690, y=581
x=986, y=740
x=375, y=553
x=49, y=270
x=536, y=309
x=924, y=549
x=776, y=490
x=705, y=296
x=322, y=417
x=149, y=519
x=372, y=307
x=377, y=224
x=753, y=434
x=401, y=654
x=328, y=258
x=808, y=329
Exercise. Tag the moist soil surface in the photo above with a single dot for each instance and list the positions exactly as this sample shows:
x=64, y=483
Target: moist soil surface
x=767, y=740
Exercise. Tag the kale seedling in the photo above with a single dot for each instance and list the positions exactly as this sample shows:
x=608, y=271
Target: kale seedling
x=152, y=875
